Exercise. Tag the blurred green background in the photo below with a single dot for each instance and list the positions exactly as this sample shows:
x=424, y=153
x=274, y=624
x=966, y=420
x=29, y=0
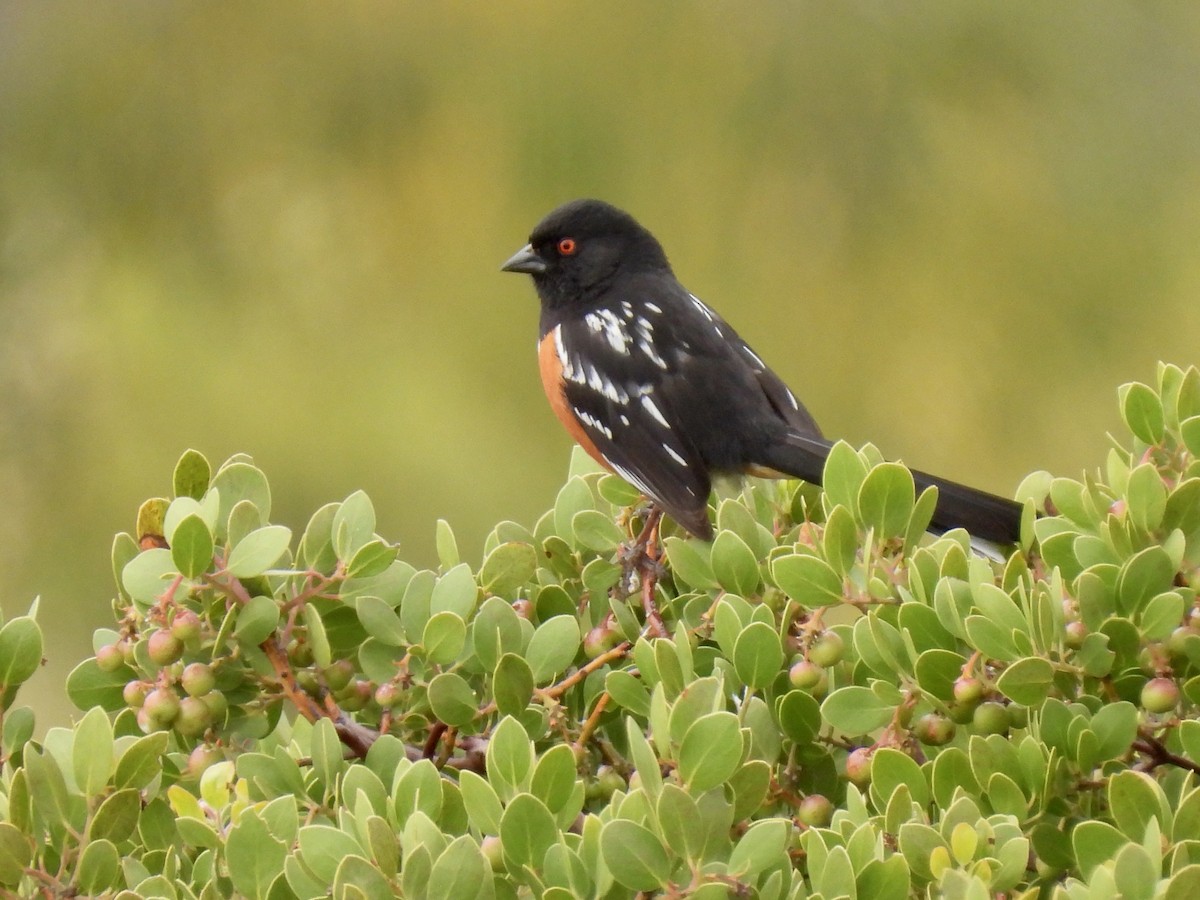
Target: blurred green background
x=276, y=228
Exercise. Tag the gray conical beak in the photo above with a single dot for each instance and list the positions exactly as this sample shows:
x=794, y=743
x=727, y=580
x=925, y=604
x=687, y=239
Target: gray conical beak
x=525, y=260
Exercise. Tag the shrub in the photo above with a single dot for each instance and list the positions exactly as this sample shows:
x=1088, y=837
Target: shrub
x=822, y=702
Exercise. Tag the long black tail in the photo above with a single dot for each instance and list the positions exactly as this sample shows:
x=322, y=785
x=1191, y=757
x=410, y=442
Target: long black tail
x=982, y=514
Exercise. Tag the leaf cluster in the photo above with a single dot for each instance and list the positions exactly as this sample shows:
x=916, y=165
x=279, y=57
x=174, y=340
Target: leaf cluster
x=825, y=701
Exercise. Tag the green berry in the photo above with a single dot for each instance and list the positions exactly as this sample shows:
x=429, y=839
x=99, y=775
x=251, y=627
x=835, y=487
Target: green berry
x=1160, y=695
x=161, y=707
x=110, y=657
x=827, y=650
x=991, y=718
x=194, y=717
x=135, y=694
x=858, y=766
x=339, y=674
x=198, y=679
x=934, y=729
x=815, y=811
x=186, y=625
x=164, y=648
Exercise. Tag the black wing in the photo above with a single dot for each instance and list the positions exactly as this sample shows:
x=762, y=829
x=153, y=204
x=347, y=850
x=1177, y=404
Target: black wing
x=616, y=371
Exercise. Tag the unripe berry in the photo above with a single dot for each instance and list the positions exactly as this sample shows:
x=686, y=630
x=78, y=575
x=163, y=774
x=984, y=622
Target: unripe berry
x=217, y=705
x=164, y=648
x=194, y=717
x=991, y=718
x=161, y=706
x=827, y=650
x=200, y=759
x=135, y=694
x=599, y=641
x=1160, y=695
x=968, y=690
x=388, y=694
x=815, y=811
x=934, y=729
x=338, y=674
x=493, y=852
x=858, y=766
x=806, y=675
x=1074, y=634
x=300, y=653
x=186, y=625
x=110, y=657
x=198, y=679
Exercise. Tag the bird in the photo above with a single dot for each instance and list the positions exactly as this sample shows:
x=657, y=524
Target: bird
x=660, y=390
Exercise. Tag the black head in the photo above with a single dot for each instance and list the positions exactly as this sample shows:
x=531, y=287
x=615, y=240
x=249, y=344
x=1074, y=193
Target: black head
x=575, y=252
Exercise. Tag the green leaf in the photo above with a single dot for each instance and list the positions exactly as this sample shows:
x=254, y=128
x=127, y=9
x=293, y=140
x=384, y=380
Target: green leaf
x=98, y=867
x=16, y=852
x=1147, y=497
x=595, y=530
x=679, y=819
x=254, y=856
x=481, y=802
x=763, y=846
x=353, y=525
x=527, y=831
x=512, y=685
x=1143, y=576
x=508, y=568
x=574, y=497
x=808, y=580
x=455, y=592
x=855, y=710
x=447, y=546
x=380, y=621
x=509, y=757
x=552, y=648
x=886, y=499
x=317, y=638
x=799, y=716
x=460, y=871
x=843, y=476
x=20, y=650
x=117, y=817
x=734, y=564
x=628, y=691
x=323, y=847
x=496, y=630
x=371, y=559
x=1115, y=726
x=192, y=474
x=1142, y=411
x=690, y=561
x=711, y=751
x=238, y=481
x=147, y=575
x=192, y=547
x=635, y=855
x=259, y=551
x=257, y=620
x=892, y=768
x=92, y=752
x=1134, y=799
x=1027, y=681
x=757, y=654
x=1095, y=843
x=444, y=637
x=554, y=777
x=452, y=699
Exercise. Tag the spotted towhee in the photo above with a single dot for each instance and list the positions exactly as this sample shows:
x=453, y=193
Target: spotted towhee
x=661, y=390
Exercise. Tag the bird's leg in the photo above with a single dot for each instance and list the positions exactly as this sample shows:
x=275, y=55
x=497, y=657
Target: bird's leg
x=642, y=556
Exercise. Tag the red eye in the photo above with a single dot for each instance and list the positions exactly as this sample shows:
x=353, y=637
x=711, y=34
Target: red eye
x=566, y=247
